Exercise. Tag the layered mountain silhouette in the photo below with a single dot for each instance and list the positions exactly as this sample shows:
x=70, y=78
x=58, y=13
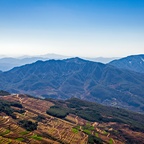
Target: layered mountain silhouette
x=134, y=63
x=8, y=63
x=75, y=77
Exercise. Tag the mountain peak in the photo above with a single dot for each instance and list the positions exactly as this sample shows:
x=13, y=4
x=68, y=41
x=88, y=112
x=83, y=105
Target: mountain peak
x=133, y=62
x=75, y=60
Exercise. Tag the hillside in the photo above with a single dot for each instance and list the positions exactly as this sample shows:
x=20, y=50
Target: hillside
x=134, y=63
x=63, y=79
x=30, y=123
x=26, y=119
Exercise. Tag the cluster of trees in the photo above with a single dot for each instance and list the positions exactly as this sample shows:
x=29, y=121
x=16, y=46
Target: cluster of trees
x=5, y=107
x=88, y=129
x=94, y=140
x=21, y=111
x=39, y=118
x=28, y=125
x=95, y=112
x=16, y=104
x=57, y=111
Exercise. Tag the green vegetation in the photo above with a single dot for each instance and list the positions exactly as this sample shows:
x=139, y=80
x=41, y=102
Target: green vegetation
x=74, y=130
x=5, y=107
x=16, y=104
x=92, y=139
x=20, y=139
x=25, y=133
x=88, y=128
x=96, y=134
x=39, y=118
x=87, y=131
x=57, y=112
x=21, y=111
x=28, y=125
x=77, y=127
x=6, y=132
x=105, y=133
x=36, y=137
x=96, y=112
x=111, y=141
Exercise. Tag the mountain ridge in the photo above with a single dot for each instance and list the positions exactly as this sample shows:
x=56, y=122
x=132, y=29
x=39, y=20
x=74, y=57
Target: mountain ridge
x=133, y=63
x=7, y=63
x=75, y=77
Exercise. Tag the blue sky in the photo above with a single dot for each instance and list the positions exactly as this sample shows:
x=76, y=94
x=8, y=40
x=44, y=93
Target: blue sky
x=91, y=28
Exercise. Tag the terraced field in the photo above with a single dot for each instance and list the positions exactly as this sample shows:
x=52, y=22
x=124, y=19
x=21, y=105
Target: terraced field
x=11, y=132
x=94, y=128
x=49, y=130
x=105, y=128
x=71, y=129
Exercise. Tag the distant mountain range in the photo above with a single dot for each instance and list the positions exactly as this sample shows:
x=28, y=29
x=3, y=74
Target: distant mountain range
x=101, y=59
x=134, y=63
x=7, y=63
x=75, y=77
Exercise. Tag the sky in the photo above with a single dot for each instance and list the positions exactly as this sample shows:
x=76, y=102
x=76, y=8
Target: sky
x=84, y=28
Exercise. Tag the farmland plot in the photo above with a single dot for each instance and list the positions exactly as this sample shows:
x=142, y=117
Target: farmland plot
x=49, y=129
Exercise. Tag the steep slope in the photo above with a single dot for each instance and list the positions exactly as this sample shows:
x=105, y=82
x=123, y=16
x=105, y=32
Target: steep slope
x=62, y=79
x=134, y=63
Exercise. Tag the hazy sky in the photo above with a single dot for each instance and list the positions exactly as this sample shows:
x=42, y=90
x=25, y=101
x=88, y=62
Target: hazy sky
x=91, y=28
